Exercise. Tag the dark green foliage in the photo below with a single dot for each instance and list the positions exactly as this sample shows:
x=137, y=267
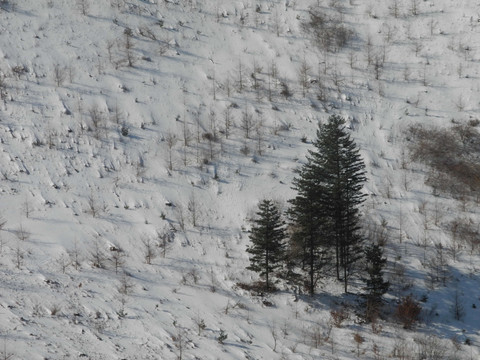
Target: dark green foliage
x=267, y=249
x=376, y=286
x=375, y=262
x=308, y=240
x=325, y=211
x=344, y=176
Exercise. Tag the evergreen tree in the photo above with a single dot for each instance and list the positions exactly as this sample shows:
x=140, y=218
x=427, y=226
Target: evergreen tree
x=376, y=286
x=329, y=195
x=344, y=175
x=268, y=248
x=308, y=240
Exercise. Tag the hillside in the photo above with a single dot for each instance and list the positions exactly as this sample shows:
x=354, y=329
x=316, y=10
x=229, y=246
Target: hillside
x=137, y=138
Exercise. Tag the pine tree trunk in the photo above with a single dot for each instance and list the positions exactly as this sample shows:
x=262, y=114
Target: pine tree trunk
x=312, y=267
x=345, y=281
x=266, y=269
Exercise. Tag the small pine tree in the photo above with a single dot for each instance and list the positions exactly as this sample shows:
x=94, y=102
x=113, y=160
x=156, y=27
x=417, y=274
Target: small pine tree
x=376, y=286
x=267, y=249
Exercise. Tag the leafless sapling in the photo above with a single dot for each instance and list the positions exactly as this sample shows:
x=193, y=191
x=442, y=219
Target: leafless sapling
x=246, y=123
x=164, y=242
x=26, y=207
x=395, y=8
x=227, y=121
x=21, y=233
x=304, y=76
x=240, y=79
x=75, y=255
x=3, y=88
x=59, y=74
x=414, y=7
x=193, y=209
x=19, y=254
x=97, y=254
x=200, y=323
x=170, y=140
x=149, y=249
x=117, y=258
x=64, y=261
x=83, y=6
x=128, y=46
x=126, y=285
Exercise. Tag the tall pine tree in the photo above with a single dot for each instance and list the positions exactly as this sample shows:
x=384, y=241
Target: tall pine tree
x=267, y=241
x=308, y=243
x=344, y=174
x=326, y=209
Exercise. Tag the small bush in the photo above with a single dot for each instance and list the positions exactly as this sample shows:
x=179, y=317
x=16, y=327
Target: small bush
x=408, y=312
x=338, y=316
x=257, y=288
x=222, y=337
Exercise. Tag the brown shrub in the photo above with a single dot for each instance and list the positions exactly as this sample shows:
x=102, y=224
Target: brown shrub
x=338, y=316
x=451, y=153
x=408, y=311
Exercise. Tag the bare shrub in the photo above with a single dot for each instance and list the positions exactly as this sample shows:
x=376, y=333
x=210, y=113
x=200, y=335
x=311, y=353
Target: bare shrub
x=22, y=234
x=63, y=262
x=466, y=232
x=59, y=74
x=97, y=255
x=458, y=310
x=83, y=6
x=18, y=71
x=437, y=267
x=149, y=250
x=55, y=309
x=117, y=258
x=126, y=285
x=402, y=350
x=128, y=46
x=75, y=255
x=164, y=242
x=408, y=311
x=171, y=140
x=338, y=316
x=430, y=347
x=200, y=324
x=3, y=87
x=452, y=155
x=359, y=340
x=328, y=33
x=414, y=5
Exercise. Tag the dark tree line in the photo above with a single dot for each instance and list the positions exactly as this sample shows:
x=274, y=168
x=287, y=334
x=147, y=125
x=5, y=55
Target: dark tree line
x=324, y=219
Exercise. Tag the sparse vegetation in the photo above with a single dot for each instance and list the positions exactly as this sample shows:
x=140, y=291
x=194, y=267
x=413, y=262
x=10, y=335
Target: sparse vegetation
x=137, y=138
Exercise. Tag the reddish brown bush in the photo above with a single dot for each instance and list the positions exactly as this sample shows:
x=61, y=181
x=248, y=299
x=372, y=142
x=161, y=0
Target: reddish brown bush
x=408, y=312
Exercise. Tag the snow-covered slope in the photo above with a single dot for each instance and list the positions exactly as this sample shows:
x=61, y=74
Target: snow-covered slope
x=101, y=160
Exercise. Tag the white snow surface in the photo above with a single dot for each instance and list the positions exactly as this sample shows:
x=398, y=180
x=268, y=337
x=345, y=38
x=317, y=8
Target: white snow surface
x=57, y=165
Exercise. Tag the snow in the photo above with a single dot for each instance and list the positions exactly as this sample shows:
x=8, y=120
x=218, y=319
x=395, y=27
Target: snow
x=61, y=166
